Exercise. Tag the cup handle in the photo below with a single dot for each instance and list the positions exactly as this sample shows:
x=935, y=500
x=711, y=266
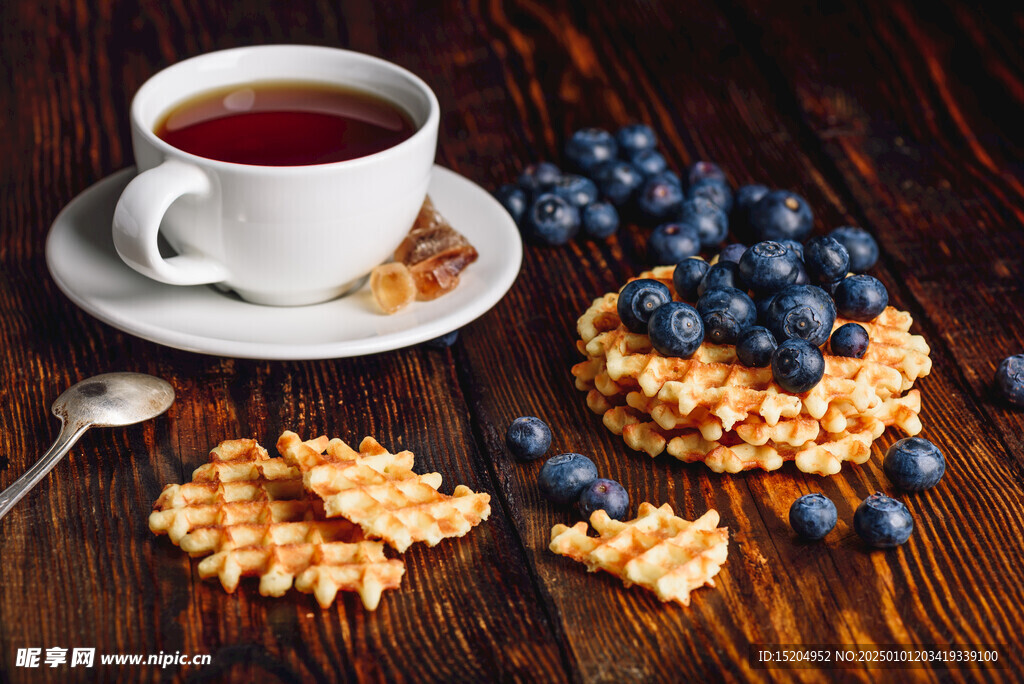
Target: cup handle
x=137, y=222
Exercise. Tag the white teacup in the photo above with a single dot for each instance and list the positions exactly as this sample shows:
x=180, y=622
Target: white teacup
x=279, y=235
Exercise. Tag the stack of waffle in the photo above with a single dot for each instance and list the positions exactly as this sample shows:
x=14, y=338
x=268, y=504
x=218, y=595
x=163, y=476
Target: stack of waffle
x=306, y=519
x=713, y=409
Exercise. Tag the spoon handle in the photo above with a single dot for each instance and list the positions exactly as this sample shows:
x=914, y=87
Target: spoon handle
x=69, y=434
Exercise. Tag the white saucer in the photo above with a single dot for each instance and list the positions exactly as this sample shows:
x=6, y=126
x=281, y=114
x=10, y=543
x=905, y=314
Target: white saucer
x=81, y=258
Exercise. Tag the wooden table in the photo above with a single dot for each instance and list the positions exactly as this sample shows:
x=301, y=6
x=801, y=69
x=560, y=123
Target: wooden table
x=902, y=122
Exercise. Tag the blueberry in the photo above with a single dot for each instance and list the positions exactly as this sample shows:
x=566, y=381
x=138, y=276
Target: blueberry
x=668, y=177
x=850, y=340
x=826, y=260
x=812, y=516
x=747, y=196
x=861, y=297
x=732, y=252
x=600, y=220
x=604, y=495
x=538, y=177
x=882, y=522
x=914, y=464
x=635, y=138
x=781, y=215
x=794, y=247
x=551, y=220
x=672, y=242
x=803, y=312
x=638, y=299
x=618, y=181
x=588, y=148
x=768, y=267
x=858, y=242
x=717, y=191
x=687, y=276
x=755, y=347
x=710, y=221
x=704, y=170
x=722, y=274
x=514, y=199
x=563, y=477
x=803, y=279
x=1010, y=379
x=675, y=329
x=649, y=162
x=797, y=365
x=576, y=190
x=444, y=341
x=659, y=200
x=726, y=313
x=528, y=438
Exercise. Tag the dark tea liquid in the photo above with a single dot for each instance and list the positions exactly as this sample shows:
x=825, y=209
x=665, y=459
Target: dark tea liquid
x=284, y=123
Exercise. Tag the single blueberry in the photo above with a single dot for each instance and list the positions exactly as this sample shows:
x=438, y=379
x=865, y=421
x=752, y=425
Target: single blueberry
x=812, y=516
x=797, y=365
x=826, y=260
x=659, y=200
x=802, y=312
x=670, y=243
x=794, y=246
x=722, y=274
x=726, y=313
x=638, y=299
x=882, y=522
x=578, y=191
x=635, y=138
x=914, y=464
x=717, y=191
x=1010, y=379
x=538, y=177
x=748, y=195
x=551, y=221
x=781, y=215
x=650, y=162
x=675, y=329
x=528, y=438
x=732, y=252
x=687, y=276
x=755, y=347
x=563, y=477
x=604, y=495
x=711, y=222
x=768, y=267
x=858, y=242
x=600, y=220
x=514, y=199
x=704, y=170
x=588, y=148
x=861, y=297
x=444, y=341
x=618, y=181
x=850, y=339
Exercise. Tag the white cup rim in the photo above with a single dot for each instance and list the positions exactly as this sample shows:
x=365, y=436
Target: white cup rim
x=424, y=130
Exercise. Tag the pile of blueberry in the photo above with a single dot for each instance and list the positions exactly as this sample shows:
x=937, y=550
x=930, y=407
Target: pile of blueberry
x=565, y=478
x=912, y=464
x=776, y=301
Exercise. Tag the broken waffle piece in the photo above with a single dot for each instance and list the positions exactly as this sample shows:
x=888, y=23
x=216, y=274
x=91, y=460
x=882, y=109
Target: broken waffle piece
x=378, y=491
x=435, y=253
x=656, y=550
x=249, y=514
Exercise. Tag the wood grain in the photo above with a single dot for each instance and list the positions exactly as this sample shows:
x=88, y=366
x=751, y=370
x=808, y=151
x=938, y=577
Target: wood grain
x=900, y=120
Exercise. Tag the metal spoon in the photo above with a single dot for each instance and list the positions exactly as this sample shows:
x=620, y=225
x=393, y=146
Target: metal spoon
x=107, y=400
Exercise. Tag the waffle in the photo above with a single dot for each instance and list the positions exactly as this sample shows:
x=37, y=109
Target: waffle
x=249, y=514
x=379, y=492
x=656, y=550
x=738, y=416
